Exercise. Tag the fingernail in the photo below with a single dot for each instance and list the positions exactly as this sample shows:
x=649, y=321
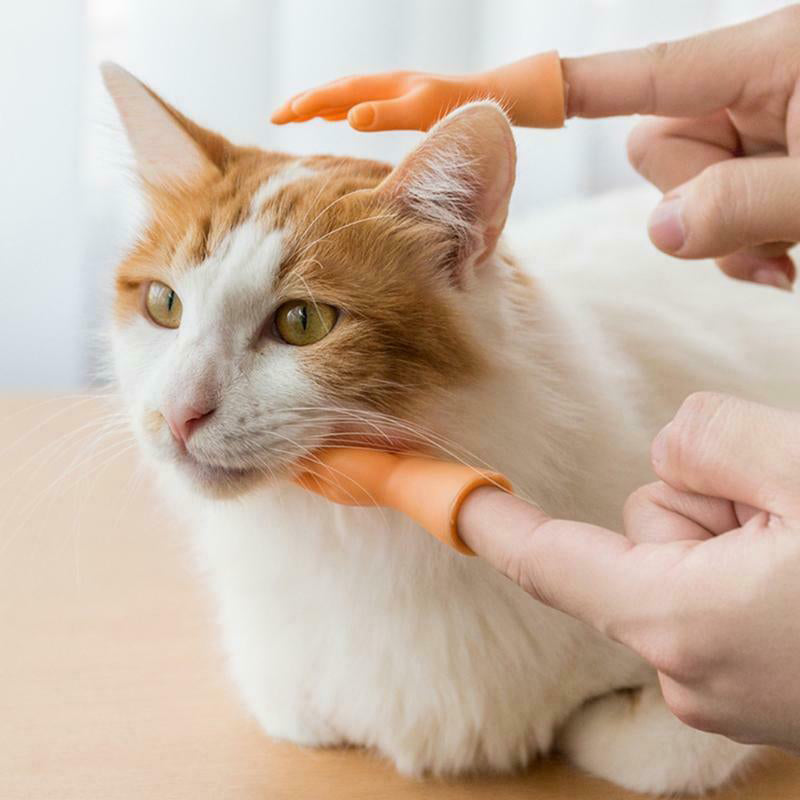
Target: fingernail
x=773, y=277
x=666, y=225
x=361, y=116
x=658, y=450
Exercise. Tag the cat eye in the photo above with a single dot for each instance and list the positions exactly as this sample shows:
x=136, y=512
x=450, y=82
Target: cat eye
x=163, y=305
x=302, y=322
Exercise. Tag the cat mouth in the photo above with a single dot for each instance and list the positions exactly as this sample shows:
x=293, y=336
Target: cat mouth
x=221, y=481
x=217, y=480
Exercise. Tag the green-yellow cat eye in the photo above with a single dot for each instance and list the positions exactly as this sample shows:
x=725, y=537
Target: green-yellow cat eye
x=302, y=322
x=163, y=305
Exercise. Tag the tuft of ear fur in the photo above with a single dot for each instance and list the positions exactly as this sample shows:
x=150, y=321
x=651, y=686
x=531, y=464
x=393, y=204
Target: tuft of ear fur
x=460, y=177
x=169, y=148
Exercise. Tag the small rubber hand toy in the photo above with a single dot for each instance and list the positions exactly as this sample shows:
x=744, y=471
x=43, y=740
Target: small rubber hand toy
x=429, y=491
x=532, y=91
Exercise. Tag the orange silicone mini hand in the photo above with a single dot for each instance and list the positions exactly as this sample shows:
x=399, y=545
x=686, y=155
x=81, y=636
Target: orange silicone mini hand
x=532, y=91
x=429, y=491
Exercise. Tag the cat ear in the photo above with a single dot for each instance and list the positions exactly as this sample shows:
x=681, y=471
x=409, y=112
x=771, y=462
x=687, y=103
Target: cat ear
x=169, y=148
x=461, y=177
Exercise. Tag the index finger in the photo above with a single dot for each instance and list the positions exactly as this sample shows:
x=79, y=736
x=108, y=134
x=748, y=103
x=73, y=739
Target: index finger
x=589, y=572
x=689, y=77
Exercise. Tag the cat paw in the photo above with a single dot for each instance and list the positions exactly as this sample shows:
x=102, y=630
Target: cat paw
x=302, y=731
x=632, y=739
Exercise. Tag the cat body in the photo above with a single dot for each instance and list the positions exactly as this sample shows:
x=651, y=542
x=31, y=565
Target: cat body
x=549, y=362
x=352, y=625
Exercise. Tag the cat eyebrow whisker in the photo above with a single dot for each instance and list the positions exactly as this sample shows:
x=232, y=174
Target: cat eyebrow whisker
x=310, y=295
x=330, y=205
x=311, y=261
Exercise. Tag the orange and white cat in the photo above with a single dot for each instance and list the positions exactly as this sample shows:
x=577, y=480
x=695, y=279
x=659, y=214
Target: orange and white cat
x=274, y=304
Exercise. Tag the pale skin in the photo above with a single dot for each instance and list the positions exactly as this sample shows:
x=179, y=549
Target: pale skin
x=704, y=583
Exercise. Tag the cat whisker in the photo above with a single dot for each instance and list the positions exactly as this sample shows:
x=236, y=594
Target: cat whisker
x=312, y=206
x=311, y=456
x=53, y=448
x=47, y=492
x=80, y=400
x=327, y=207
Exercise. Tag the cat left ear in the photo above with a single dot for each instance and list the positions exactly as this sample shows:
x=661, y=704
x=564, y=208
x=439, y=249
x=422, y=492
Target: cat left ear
x=461, y=177
x=170, y=149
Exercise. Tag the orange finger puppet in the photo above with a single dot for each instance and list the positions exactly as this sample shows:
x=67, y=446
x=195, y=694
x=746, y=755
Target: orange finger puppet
x=428, y=490
x=531, y=90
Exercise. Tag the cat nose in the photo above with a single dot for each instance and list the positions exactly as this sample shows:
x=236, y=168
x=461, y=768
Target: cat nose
x=184, y=419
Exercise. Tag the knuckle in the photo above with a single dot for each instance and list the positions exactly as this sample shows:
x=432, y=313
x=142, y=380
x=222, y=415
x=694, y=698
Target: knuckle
x=657, y=52
x=640, y=142
x=519, y=569
x=787, y=16
x=640, y=502
x=656, y=55
x=633, y=505
x=699, y=405
x=666, y=638
x=685, y=706
x=721, y=193
x=677, y=657
x=523, y=566
x=670, y=645
x=691, y=424
x=516, y=567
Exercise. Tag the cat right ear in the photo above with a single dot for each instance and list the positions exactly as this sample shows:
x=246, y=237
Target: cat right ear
x=460, y=179
x=170, y=150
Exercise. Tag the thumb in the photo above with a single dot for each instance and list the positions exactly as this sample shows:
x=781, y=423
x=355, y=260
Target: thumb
x=406, y=112
x=730, y=205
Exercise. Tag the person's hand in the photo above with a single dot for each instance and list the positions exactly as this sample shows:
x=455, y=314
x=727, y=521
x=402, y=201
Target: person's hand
x=725, y=149
x=705, y=589
x=726, y=146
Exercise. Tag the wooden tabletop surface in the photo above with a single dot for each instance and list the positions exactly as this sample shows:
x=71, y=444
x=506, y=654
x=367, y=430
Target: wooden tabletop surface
x=111, y=684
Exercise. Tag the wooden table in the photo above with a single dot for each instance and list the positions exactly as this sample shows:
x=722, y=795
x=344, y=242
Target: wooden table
x=111, y=684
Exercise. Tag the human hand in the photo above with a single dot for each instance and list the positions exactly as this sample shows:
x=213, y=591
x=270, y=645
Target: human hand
x=704, y=588
x=531, y=90
x=724, y=145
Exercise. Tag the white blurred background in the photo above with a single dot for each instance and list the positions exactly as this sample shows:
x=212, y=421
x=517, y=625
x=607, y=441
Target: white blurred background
x=66, y=210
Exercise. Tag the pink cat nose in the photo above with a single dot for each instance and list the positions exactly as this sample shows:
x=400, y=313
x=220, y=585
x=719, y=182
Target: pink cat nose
x=184, y=419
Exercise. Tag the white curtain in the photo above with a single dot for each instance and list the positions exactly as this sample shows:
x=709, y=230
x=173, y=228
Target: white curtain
x=65, y=213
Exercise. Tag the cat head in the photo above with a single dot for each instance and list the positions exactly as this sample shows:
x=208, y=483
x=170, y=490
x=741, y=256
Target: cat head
x=274, y=304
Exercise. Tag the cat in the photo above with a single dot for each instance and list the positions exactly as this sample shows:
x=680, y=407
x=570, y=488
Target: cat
x=274, y=304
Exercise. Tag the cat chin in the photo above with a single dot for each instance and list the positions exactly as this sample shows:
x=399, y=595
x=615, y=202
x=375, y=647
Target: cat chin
x=217, y=482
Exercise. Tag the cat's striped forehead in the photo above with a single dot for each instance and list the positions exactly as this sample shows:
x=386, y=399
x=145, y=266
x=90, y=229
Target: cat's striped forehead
x=278, y=192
